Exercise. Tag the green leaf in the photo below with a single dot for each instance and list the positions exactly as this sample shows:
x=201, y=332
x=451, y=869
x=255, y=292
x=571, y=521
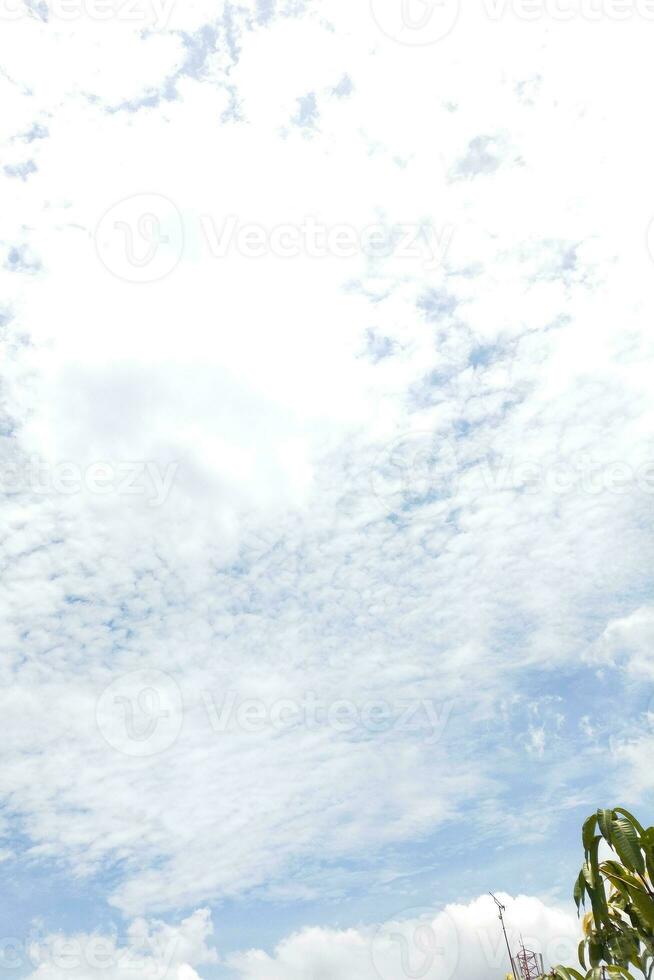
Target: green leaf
x=619, y=971
x=647, y=843
x=587, y=873
x=618, y=871
x=567, y=973
x=596, y=892
x=625, y=842
x=624, y=945
x=630, y=817
x=588, y=831
x=644, y=906
x=604, y=819
x=595, y=950
x=620, y=927
x=620, y=879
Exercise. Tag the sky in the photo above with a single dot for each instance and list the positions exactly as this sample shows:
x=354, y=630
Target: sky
x=327, y=479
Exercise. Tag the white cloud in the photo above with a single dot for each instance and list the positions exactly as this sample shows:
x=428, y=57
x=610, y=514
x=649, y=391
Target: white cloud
x=296, y=551
x=629, y=640
x=459, y=942
x=462, y=942
x=151, y=949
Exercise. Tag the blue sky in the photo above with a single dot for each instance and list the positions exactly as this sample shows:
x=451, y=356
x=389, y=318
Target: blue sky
x=327, y=478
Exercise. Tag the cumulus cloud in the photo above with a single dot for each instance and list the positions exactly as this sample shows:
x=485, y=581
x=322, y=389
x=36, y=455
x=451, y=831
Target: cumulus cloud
x=629, y=641
x=152, y=949
x=458, y=942
x=461, y=942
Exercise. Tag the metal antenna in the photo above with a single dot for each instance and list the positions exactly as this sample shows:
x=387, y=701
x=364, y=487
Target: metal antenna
x=501, y=909
x=528, y=963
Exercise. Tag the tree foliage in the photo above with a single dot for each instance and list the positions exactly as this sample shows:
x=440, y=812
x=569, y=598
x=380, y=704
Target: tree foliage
x=618, y=929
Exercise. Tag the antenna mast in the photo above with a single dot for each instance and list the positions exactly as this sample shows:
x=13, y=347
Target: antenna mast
x=501, y=909
x=528, y=963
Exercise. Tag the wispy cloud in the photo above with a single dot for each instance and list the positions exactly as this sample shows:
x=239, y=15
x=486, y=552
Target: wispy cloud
x=394, y=445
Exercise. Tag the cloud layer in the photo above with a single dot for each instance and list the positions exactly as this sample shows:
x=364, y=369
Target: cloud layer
x=457, y=942
x=461, y=941
x=327, y=379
